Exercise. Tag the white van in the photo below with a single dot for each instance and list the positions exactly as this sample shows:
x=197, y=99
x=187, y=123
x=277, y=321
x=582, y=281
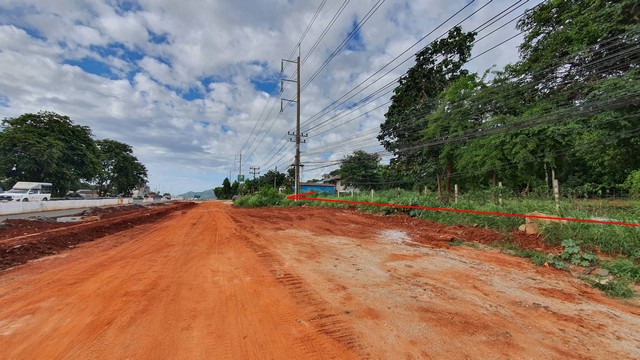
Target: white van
x=28, y=191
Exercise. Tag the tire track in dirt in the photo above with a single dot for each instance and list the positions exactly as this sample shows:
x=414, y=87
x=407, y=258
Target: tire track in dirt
x=320, y=314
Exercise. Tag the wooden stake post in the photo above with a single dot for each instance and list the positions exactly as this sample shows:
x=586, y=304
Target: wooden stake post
x=455, y=192
x=556, y=193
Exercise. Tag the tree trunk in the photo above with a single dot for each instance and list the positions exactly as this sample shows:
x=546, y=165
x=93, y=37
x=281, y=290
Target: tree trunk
x=439, y=186
x=449, y=176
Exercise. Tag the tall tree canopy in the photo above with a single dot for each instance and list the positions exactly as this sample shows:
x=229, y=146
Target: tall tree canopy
x=570, y=105
x=47, y=147
x=437, y=65
x=120, y=171
x=361, y=170
x=226, y=191
x=577, y=73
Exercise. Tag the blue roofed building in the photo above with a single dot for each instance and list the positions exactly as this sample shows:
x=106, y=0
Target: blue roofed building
x=317, y=188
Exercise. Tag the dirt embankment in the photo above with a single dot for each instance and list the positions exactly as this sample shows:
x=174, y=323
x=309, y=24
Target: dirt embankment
x=215, y=282
x=24, y=240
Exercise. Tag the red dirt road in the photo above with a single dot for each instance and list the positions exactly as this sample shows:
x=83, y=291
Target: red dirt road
x=215, y=282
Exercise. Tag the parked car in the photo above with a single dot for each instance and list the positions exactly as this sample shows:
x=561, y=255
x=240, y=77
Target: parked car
x=72, y=195
x=28, y=191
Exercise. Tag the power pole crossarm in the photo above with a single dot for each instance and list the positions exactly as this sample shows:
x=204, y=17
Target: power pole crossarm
x=254, y=171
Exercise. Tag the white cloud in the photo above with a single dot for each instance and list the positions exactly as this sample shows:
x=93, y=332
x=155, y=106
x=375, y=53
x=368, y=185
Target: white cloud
x=179, y=65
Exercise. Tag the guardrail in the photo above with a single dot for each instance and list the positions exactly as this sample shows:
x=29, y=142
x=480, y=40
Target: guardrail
x=10, y=208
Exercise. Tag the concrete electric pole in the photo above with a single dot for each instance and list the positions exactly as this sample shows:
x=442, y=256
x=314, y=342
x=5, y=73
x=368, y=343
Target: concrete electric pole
x=297, y=133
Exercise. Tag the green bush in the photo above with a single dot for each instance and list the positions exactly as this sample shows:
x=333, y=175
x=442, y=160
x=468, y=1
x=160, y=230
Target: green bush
x=633, y=184
x=267, y=196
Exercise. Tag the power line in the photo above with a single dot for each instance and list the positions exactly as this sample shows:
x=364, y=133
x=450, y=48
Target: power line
x=452, y=16
x=344, y=42
x=484, y=37
x=455, y=14
x=388, y=72
x=326, y=30
x=331, y=106
x=624, y=52
x=274, y=102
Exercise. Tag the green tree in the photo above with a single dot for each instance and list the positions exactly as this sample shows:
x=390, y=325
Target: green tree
x=272, y=178
x=225, y=191
x=234, y=188
x=120, y=171
x=47, y=147
x=576, y=71
x=361, y=170
x=632, y=183
x=457, y=113
x=437, y=65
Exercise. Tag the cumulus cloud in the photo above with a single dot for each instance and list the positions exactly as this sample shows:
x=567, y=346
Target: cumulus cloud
x=191, y=84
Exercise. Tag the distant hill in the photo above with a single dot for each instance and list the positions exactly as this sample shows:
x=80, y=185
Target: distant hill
x=207, y=194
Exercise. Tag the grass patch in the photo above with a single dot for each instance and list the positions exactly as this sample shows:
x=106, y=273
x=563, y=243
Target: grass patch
x=456, y=242
x=537, y=258
x=616, y=288
x=624, y=268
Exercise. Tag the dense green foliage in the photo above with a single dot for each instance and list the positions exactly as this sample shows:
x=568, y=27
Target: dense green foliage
x=437, y=66
x=361, y=170
x=120, y=171
x=270, y=179
x=225, y=192
x=48, y=147
x=633, y=184
x=570, y=106
x=267, y=196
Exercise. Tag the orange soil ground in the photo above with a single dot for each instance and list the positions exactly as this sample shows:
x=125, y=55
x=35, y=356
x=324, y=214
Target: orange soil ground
x=215, y=282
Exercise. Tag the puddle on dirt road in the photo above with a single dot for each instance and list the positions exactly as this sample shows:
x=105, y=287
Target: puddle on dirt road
x=395, y=236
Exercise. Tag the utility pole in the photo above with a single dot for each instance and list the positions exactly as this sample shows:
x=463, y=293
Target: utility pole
x=254, y=171
x=297, y=134
x=240, y=178
x=275, y=178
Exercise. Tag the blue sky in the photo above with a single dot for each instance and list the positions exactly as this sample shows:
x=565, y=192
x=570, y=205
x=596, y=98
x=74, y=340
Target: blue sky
x=192, y=84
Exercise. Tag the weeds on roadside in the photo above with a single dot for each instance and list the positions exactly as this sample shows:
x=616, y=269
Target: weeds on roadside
x=616, y=287
x=624, y=268
x=265, y=197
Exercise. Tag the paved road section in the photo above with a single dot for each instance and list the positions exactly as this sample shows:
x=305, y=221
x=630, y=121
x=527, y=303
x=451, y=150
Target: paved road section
x=215, y=282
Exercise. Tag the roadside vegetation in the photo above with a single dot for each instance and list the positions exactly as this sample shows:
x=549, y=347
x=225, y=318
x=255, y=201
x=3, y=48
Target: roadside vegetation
x=563, y=120
x=49, y=147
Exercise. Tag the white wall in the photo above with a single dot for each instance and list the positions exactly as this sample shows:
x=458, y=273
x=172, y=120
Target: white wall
x=10, y=208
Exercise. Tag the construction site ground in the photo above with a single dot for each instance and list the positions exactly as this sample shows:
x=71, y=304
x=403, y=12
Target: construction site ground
x=211, y=281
